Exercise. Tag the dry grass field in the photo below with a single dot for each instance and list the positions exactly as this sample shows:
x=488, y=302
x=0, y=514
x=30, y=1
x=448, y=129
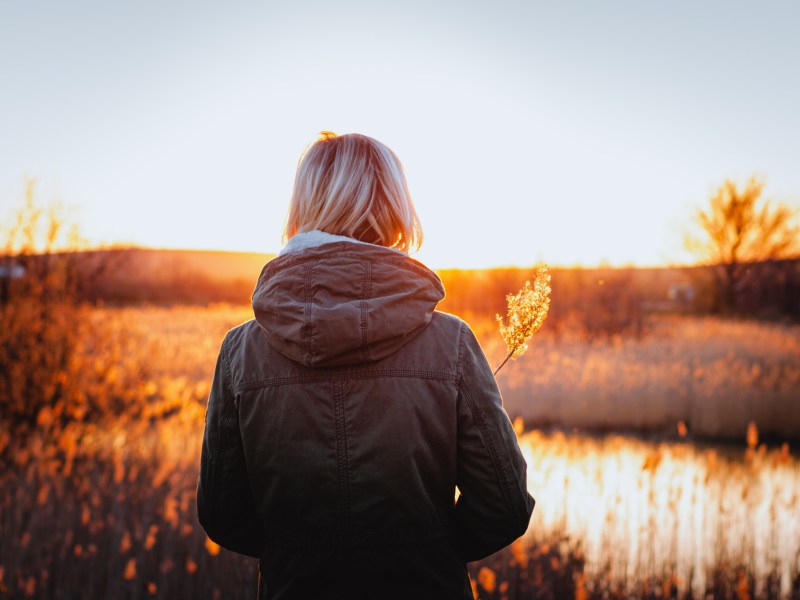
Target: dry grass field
x=713, y=375
x=104, y=507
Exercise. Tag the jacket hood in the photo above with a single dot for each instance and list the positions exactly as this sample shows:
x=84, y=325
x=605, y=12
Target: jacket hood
x=344, y=303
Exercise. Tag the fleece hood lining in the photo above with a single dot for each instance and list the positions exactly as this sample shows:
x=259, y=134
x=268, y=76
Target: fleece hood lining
x=316, y=238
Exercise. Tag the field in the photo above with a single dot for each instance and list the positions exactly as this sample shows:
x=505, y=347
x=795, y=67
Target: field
x=714, y=376
x=104, y=507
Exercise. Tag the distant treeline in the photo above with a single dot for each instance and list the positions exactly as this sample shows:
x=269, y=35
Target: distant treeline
x=601, y=300
x=771, y=288
x=611, y=300
x=125, y=276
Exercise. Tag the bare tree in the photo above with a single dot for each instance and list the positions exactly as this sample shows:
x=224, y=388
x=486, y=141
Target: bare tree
x=738, y=229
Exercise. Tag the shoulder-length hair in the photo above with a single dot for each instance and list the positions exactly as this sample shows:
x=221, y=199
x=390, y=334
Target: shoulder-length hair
x=353, y=185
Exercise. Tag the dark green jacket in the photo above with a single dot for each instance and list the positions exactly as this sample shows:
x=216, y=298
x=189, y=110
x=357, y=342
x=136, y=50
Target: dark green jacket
x=340, y=421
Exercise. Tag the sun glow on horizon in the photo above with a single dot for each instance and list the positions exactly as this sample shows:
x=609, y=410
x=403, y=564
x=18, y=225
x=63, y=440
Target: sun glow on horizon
x=434, y=262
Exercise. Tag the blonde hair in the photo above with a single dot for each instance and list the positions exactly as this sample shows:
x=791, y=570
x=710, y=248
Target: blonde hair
x=353, y=185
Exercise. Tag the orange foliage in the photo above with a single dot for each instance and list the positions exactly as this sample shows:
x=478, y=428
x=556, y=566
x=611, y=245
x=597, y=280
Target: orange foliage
x=114, y=494
x=212, y=547
x=130, y=569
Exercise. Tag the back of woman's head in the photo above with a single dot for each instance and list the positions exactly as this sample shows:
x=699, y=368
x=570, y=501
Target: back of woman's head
x=353, y=185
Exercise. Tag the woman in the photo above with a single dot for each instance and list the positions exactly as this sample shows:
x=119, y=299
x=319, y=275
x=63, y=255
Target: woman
x=342, y=418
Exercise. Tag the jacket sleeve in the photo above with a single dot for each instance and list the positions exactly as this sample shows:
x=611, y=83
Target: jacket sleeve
x=225, y=505
x=494, y=507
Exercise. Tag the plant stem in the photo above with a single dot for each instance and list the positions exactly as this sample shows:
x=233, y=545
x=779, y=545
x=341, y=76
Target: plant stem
x=504, y=362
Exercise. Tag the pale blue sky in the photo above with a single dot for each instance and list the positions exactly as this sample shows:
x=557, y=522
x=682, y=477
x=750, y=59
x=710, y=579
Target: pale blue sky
x=574, y=132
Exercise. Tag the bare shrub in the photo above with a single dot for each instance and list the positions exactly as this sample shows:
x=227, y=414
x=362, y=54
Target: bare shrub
x=39, y=310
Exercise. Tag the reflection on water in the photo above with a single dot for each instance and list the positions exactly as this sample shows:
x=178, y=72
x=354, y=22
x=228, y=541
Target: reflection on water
x=667, y=511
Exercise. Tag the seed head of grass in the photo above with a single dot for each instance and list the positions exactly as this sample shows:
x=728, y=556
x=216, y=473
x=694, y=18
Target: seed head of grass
x=527, y=310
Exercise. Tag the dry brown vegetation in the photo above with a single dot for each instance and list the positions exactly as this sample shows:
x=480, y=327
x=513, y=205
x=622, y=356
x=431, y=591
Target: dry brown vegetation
x=713, y=375
x=39, y=312
x=104, y=507
x=102, y=409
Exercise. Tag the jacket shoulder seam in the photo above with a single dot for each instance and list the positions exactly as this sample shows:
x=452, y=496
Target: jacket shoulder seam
x=226, y=358
x=307, y=331
x=462, y=342
x=230, y=409
x=366, y=287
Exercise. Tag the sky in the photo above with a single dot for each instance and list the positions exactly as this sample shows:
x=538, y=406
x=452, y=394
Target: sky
x=571, y=132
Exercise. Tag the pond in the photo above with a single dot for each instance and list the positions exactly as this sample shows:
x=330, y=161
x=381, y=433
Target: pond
x=676, y=513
